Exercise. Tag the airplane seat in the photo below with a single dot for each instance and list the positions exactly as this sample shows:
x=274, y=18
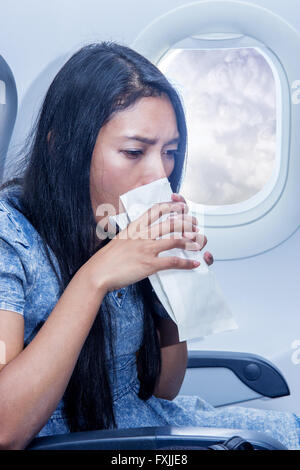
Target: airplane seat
x=152, y=438
x=253, y=371
x=8, y=110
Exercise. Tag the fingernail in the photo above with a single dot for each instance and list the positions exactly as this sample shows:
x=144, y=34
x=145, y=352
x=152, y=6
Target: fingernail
x=200, y=239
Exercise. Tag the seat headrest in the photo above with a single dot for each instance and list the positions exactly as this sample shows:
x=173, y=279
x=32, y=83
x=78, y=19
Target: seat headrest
x=8, y=110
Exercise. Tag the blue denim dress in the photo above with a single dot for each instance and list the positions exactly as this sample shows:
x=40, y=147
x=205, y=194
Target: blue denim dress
x=29, y=287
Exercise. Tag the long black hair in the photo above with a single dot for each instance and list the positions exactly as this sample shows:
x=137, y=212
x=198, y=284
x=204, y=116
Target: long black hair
x=54, y=173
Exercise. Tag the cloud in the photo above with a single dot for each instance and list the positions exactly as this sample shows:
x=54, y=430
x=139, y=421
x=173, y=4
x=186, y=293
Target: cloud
x=229, y=100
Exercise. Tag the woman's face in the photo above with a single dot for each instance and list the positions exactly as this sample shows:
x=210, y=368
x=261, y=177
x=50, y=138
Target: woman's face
x=137, y=146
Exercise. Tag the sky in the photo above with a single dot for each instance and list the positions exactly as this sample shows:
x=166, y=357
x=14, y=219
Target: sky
x=230, y=106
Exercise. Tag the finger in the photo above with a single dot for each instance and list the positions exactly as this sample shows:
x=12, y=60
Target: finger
x=174, y=262
x=174, y=241
x=208, y=258
x=157, y=210
x=182, y=223
x=178, y=197
x=196, y=236
x=201, y=239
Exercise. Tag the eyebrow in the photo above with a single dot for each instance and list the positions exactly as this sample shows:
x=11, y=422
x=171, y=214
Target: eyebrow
x=145, y=140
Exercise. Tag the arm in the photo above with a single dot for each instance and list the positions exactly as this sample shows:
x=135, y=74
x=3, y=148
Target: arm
x=174, y=360
x=33, y=382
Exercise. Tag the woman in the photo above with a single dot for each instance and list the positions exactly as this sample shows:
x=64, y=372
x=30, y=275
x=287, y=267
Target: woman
x=100, y=350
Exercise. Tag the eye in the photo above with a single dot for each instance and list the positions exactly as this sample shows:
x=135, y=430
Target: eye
x=172, y=153
x=133, y=153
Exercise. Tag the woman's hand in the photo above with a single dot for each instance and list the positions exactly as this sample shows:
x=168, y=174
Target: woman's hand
x=132, y=254
x=201, y=239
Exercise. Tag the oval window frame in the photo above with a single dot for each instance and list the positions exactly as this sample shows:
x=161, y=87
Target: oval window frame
x=244, y=232
x=281, y=87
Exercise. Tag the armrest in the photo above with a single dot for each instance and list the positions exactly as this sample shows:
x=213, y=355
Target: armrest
x=153, y=438
x=256, y=372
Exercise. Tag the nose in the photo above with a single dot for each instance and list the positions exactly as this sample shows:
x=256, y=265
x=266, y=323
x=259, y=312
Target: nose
x=153, y=171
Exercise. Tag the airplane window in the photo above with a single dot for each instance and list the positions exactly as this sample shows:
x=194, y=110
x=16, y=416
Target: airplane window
x=2, y=92
x=229, y=97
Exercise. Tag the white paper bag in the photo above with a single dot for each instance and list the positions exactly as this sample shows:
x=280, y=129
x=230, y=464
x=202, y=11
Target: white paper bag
x=192, y=298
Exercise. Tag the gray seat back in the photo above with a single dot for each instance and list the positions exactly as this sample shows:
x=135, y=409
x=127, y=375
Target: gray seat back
x=8, y=110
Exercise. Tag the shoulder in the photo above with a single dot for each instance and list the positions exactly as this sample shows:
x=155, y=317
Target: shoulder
x=24, y=239
x=15, y=228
